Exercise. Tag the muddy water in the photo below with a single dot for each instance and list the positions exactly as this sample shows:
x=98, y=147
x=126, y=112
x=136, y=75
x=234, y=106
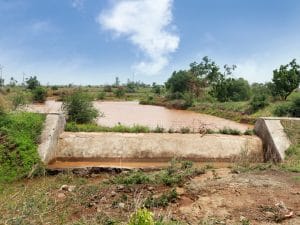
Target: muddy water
x=130, y=113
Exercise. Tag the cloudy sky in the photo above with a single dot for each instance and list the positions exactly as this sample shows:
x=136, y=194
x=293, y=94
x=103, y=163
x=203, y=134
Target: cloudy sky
x=93, y=41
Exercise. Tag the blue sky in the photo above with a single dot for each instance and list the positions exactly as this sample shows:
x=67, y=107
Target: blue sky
x=93, y=41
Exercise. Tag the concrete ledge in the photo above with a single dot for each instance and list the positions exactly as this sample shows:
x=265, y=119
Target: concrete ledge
x=151, y=147
x=54, y=126
x=275, y=140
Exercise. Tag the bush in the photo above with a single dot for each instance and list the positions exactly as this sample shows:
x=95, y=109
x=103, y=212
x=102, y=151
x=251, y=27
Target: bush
x=259, y=101
x=230, y=131
x=18, y=99
x=19, y=135
x=79, y=108
x=161, y=201
x=290, y=108
x=119, y=92
x=39, y=94
x=141, y=217
x=101, y=96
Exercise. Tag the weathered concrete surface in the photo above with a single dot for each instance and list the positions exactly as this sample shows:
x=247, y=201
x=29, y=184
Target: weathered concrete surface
x=275, y=140
x=157, y=147
x=54, y=126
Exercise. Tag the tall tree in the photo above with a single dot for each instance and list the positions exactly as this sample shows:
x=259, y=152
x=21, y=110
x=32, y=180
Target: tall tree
x=286, y=79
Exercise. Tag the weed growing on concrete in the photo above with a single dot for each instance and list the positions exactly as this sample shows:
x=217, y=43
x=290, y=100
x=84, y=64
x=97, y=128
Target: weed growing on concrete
x=230, y=131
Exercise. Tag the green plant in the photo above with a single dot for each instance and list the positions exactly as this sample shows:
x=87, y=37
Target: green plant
x=19, y=134
x=119, y=92
x=286, y=79
x=185, y=130
x=101, y=96
x=19, y=98
x=159, y=129
x=32, y=82
x=259, y=101
x=79, y=108
x=230, y=131
x=141, y=217
x=161, y=201
x=133, y=177
x=39, y=94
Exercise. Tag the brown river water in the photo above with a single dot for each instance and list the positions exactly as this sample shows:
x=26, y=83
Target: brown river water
x=130, y=113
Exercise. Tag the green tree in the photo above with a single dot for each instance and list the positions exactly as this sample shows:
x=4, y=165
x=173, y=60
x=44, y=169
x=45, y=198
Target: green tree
x=32, y=82
x=286, y=79
x=79, y=108
x=230, y=89
x=179, y=82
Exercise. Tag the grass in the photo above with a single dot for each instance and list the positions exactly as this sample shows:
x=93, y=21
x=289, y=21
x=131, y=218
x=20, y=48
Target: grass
x=19, y=137
x=175, y=174
x=292, y=161
x=162, y=201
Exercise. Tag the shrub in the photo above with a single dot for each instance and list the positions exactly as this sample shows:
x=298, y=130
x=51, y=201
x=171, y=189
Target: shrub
x=290, y=108
x=101, y=96
x=79, y=108
x=161, y=201
x=185, y=130
x=39, y=94
x=230, y=131
x=119, y=92
x=18, y=99
x=141, y=217
x=134, y=177
x=259, y=101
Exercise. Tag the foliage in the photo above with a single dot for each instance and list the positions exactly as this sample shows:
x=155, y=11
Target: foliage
x=79, y=108
x=289, y=108
x=101, y=95
x=92, y=127
x=39, y=94
x=259, y=101
x=286, y=79
x=32, y=82
x=19, y=133
x=142, y=217
x=178, y=82
x=230, y=89
x=19, y=98
x=230, y=131
x=161, y=201
x=119, y=92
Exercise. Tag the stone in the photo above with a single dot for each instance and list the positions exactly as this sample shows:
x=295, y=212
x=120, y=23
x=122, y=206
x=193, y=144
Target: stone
x=113, y=194
x=180, y=191
x=69, y=188
x=121, y=205
x=61, y=195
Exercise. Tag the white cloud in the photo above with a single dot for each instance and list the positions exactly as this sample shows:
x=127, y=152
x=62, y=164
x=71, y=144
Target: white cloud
x=147, y=24
x=78, y=4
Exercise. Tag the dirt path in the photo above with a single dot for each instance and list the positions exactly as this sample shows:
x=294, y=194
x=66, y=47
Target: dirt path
x=261, y=198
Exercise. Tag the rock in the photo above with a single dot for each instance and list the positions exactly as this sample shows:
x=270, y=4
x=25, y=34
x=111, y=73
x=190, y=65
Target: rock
x=150, y=188
x=103, y=199
x=121, y=205
x=68, y=188
x=113, y=194
x=120, y=187
x=269, y=215
x=61, y=195
x=180, y=191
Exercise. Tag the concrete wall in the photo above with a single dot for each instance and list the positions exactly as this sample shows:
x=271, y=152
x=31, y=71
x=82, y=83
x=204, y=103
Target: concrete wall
x=157, y=147
x=275, y=140
x=53, y=127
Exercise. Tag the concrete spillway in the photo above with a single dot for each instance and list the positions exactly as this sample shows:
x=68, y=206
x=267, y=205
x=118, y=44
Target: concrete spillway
x=127, y=147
